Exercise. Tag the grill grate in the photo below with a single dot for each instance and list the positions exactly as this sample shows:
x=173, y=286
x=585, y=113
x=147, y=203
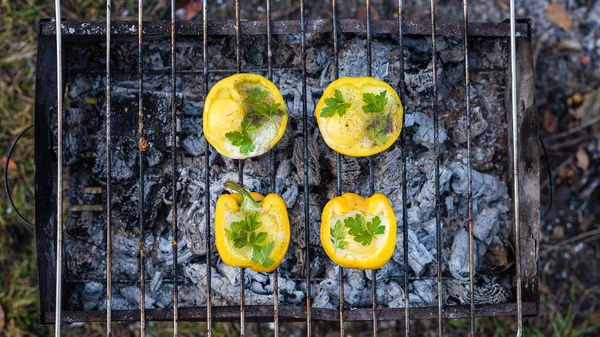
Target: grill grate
x=519, y=154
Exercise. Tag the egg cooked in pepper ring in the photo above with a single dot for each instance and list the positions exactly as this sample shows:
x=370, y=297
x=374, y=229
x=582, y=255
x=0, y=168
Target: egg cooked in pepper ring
x=244, y=116
x=359, y=116
x=359, y=232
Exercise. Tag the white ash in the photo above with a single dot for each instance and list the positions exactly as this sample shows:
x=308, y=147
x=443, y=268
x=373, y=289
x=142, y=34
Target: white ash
x=491, y=199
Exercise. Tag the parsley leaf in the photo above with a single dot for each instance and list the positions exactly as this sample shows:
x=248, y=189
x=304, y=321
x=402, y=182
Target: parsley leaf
x=335, y=105
x=338, y=236
x=260, y=254
x=376, y=131
x=243, y=233
x=374, y=103
x=364, y=232
x=260, y=109
x=241, y=138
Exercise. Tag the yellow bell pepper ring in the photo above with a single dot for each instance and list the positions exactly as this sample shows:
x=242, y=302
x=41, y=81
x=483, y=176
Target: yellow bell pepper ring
x=359, y=116
x=251, y=230
x=359, y=232
x=244, y=116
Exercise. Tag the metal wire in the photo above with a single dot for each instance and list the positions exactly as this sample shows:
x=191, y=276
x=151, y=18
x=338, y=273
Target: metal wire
x=207, y=176
x=436, y=144
x=404, y=180
x=273, y=172
x=59, y=185
x=108, y=179
x=142, y=144
x=238, y=62
x=6, y=184
x=469, y=169
x=174, y=145
x=371, y=169
x=306, y=177
x=336, y=71
x=515, y=157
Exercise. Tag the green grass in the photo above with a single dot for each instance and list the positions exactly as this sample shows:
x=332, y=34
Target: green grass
x=18, y=272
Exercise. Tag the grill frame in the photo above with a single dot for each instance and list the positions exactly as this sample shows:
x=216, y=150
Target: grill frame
x=46, y=169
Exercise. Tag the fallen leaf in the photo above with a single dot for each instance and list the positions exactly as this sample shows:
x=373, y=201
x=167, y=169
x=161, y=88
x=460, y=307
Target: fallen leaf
x=192, y=9
x=585, y=222
x=504, y=6
x=91, y=100
x=583, y=160
x=550, y=121
x=574, y=113
x=590, y=105
x=559, y=16
x=361, y=13
x=543, y=288
x=558, y=233
x=12, y=166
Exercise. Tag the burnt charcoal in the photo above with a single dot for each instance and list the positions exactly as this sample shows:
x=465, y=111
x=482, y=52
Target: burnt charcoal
x=194, y=145
x=86, y=154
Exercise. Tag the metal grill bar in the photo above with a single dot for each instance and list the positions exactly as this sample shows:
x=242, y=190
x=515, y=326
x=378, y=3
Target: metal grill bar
x=207, y=176
x=108, y=182
x=73, y=29
x=404, y=181
x=469, y=172
x=273, y=171
x=436, y=144
x=174, y=145
x=142, y=144
x=238, y=61
x=306, y=177
x=59, y=186
x=515, y=161
x=371, y=168
x=336, y=70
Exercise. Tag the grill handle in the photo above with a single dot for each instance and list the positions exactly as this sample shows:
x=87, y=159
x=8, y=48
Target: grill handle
x=6, y=187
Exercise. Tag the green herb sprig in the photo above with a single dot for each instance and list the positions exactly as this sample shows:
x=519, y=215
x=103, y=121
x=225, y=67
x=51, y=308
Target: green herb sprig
x=376, y=104
x=338, y=236
x=260, y=110
x=242, y=138
x=244, y=234
x=260, y=254
x=364, y=232
x=256, y=99
x=335, y=105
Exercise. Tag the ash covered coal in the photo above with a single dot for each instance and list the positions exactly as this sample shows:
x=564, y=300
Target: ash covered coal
x=86, y=152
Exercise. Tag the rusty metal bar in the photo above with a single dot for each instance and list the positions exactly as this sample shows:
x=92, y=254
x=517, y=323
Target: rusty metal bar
x=336, y=70
x=404, y=180
x=515, y=163
x=273, y=171
x=436, y=144
x=73, y=29
x=469, y=172
x=263, y=313
x=59, y=186
x=207, y=176
x=371, y=169
x=174, y=145
x=306, y=177
x=238, y=62
x=108, y=182
x=142, y=146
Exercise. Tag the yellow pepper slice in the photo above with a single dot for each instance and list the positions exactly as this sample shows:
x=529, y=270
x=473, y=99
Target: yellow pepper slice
x=244, y=116
x=251, y=230
x=359, y=232
x=359, y=116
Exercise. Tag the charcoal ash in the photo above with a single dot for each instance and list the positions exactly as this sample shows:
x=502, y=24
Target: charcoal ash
x=491, y=199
